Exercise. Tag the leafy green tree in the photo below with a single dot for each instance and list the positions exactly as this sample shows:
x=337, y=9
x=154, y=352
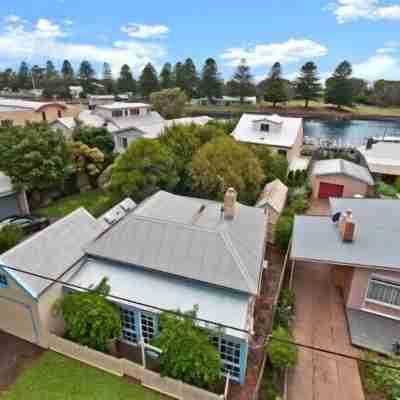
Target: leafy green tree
x=284, y=230
x=307, y=84
x=10, y=236
x=34, y=156
x=86, y=71
x=90, y=318
x=187, y=353
x=225, y=163
x=339, y=88
x=24, y=77
x=126, y=83
x=51, y=72
x=38, y=75
x=179, y=76
x=108, y=81
x=67, y=72
x=148, y=81
x=242, y=84
x=100, y=138
x=166, y=77
x=56, y=87
x=276, y=88
x=190, y=78
x=8, y=79
x=282, y=354
x=144, y=168
x=211, y=83
x=170, y=103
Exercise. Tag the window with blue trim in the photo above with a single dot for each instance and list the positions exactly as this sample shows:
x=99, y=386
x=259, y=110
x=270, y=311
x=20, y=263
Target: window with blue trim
x=230, y=355
x=129, y=326
x=3, y=281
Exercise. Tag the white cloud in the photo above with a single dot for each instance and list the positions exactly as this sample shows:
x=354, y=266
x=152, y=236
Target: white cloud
x=353, y=10
x=387, y=50
x=379, y=66
x=142, y=31
x=68, y=22
x=291, y=51
x=45, y=41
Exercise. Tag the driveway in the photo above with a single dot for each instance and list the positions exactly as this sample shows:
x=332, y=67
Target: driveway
x=321, y=321
x=15, y=354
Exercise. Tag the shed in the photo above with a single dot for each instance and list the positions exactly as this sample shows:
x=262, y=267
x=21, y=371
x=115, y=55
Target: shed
x=273, y=201
x=340, y=178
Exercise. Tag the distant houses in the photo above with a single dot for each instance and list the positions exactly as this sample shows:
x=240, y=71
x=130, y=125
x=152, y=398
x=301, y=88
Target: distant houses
x=224, y=101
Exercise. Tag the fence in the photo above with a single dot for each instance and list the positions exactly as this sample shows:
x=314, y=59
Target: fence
x=120, y=367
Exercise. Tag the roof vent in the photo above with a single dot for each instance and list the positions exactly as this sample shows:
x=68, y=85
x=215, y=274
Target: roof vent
x=127, y=204
x=119, y=211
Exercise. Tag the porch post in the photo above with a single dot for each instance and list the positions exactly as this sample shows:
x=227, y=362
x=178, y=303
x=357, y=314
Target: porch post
x=142, y=346
x=291, y=275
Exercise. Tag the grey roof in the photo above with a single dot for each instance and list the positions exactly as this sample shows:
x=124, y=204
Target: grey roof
x=119, y=105
x=171, y=294
x=342, y=167
x=383, y=157
x=52, y=251
x=372, y=331
x=20, y=104
x=377, y=235
x=166, y=233
x=67, y=122
x=274, y=195
x=5, y=184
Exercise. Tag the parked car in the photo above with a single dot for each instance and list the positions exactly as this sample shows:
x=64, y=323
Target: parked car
x=28, y=223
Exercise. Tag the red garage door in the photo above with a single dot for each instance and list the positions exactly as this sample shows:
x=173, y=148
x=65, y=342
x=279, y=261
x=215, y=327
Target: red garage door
x=330, y=190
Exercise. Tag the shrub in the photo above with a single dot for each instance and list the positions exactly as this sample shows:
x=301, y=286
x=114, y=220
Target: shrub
x=397, y=184
x=10, y=236
x=281, y=354
x=385, y=189
x=285, y=308
x=298, y=205
x=284, y=231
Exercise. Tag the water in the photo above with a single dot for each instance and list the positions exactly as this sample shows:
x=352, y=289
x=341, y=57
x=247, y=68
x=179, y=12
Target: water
x=354, y=132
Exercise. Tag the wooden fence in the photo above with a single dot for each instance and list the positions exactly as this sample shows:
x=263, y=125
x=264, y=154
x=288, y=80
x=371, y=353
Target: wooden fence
x=120, y=367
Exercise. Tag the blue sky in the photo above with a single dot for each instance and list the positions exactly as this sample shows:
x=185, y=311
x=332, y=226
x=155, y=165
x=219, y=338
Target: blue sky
x=365, y=32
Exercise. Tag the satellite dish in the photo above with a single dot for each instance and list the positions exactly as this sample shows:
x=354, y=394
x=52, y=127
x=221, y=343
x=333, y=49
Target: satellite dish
x=336, y=217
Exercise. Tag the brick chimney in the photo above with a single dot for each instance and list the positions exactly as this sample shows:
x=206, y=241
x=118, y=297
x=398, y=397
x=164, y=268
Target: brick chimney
x=348, y=227
x=230, y=203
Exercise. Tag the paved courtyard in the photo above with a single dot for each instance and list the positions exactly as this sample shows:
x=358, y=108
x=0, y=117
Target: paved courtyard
x=321, y=321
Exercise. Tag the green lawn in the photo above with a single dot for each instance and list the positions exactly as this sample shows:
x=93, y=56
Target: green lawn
x=54, y=377
x=95, y=201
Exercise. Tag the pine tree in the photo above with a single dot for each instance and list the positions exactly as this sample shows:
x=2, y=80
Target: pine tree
x=211, y=83
x=178, y=73
x=148, y=81
x=86, y=71
x=190, y=78
x=108, y=78
x=126, y=83
x=67, y=71
x=307, y=84
x=276, y=90
x=51, y=72
x=166, y=78
x=339, y=88
x=24, y=76
x=242, y=84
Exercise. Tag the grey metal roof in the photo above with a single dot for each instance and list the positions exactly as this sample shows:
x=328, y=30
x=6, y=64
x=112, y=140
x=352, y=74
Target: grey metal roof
x=52, y=251
x=342, y=167
x=274, y=195
x=383, y=157
x=377, y=235
x=5, y=184
x=167, y=234
x=171, y=294
x=20, y=104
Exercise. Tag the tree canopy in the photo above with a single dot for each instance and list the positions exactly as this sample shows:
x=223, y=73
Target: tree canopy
x=144, y=168
x=339, y=87
x=242, y=84
x=100, y=138
x=126, y=82
x=67, y=71
x=34, y=156
x=211, y=82
x=166, y=77
x=170, y=103
x=225, y=163
x=307, y=84
x=276, y=90
x=148, y=80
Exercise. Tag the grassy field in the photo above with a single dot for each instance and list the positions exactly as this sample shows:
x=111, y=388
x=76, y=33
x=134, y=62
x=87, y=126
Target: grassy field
x=54, y=377
x=93, y=201
x=359, y=109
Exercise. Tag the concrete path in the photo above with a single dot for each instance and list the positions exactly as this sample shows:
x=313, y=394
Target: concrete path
x=321, y=321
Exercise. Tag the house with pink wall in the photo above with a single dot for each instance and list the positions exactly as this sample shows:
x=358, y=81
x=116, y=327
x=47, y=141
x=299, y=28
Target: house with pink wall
x=360, y=238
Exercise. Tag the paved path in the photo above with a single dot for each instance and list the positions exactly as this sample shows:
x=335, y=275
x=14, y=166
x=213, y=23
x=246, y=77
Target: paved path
x=321, y=321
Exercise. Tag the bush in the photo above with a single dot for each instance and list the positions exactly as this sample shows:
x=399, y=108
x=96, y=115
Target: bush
x=10, y=236
x=298, y=205
x=284, y=231
x=282, y=355
x=397, y=184
x=385, y=189
x=285, y=309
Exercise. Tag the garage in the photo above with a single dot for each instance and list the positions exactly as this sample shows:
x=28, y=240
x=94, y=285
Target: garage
x=340, y=178
x=327, y=190
x=17, y=319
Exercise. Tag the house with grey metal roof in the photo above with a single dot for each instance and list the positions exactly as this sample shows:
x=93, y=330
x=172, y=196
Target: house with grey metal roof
x=12, y=202
x=360, y=239
x=168, y=253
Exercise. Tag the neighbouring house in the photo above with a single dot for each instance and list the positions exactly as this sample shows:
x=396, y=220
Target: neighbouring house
x=224, y=101
x=11, y=202
x=383, y=158
x=360, y=240
x=273, y=201
x=65, y=124
x=170, y=252
x=19, y=112
x=100, y=100
x=282, y=134
x=75, y=91
x=340, y=178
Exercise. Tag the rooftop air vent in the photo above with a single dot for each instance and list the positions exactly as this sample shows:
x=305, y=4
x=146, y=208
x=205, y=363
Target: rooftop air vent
x=127, y=204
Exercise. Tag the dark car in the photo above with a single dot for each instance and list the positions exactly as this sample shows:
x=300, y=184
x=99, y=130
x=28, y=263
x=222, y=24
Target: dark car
x=28, y=223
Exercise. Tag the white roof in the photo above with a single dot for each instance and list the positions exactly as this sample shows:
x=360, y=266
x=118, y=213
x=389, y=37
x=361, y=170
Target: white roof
x=118, y=105
x=18, y=104
x=68, y=122
x=285, y=137
x=383, y=158
x=201, y=120
x=274, y=195
x=88, y=118
x=5, y=184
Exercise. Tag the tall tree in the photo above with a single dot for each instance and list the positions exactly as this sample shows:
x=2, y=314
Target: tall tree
x=67, y=71
x=190, y=78
x=8, y=79
x=38, y=76
x=24, y=76
x=86, y=71
x=126, y=83
x=339, y=87
x=108, y=81
x=179, y=76
x=51, y=72
x=166, y=78
x=307, y=84
x=276, y=90
x=242, y=84
x=211, y=83
x=148, y=80
x=170, y=103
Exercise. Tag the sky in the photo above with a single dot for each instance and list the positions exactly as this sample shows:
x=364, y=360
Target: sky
x=364, y=32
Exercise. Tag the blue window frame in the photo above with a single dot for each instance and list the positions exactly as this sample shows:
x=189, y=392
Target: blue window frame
x=3, y=281
x=130, y=332
x=148, y=326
